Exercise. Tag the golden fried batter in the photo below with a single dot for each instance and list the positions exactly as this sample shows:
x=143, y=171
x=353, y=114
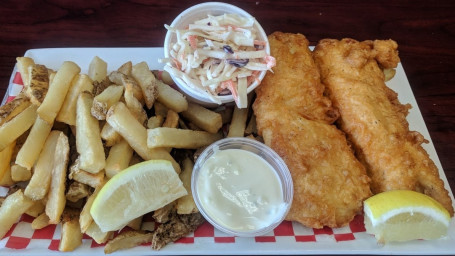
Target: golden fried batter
x=373, y=118
x=295, y=82
x=295, y=120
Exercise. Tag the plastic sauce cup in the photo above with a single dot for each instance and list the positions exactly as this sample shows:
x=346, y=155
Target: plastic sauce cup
x=275, y=213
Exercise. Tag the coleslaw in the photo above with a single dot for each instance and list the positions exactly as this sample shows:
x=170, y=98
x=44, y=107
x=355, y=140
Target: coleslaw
x=219, y=55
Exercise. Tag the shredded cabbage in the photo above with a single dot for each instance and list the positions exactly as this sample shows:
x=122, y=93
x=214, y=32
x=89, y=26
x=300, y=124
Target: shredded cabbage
x=219, y=55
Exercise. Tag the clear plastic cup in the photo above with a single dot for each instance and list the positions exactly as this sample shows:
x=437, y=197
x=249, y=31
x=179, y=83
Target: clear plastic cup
x=198, y=12
x=265, y=153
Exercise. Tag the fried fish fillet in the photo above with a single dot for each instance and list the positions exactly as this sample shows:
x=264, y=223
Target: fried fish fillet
x=373, y=118
x=295, y=119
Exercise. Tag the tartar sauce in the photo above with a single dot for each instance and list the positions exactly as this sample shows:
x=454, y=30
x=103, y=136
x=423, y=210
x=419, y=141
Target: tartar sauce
x=240, y=190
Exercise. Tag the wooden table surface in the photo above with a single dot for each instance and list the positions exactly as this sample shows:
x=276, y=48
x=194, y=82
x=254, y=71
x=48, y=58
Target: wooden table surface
x=424, y=30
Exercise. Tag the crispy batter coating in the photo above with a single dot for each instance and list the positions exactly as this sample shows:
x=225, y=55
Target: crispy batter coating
x=295, y=119
x=373, y=118
x=295, y=82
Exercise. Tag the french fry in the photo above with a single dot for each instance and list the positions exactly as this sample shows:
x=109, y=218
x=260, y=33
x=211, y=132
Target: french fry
x=88, y=139
x=146, y=81
x=39, y=184
x=57, y=91
x=67, y=113
x=85, y=218
x=126, y=68
x=11, y=130
x=134, y=105
x=52, y=74
x=6, y=179
x=127, y=240
x=238, y=123
x=38, y=84
x=155, y=121
x=19, y=173
x=204, y=118
x=103, y=101
x=186, y=204
x=22, y=66
x=116, y=77
x=29, y=152
x=179, y=138
x=160, y=109
x=170, y=97
x=41, y=221
x=110, y=135
x=12, y=208
x=13, y=108
x=172, y=119
x=99, y=236
x=121, y=79
x=5, y=159
x=36, y=209
x=19, y=143
x=121, y=119
x=123, y=133
x=148, y=226
x=71, y=236
x=97, y=69
x=91, y=179
x=118, y=159
x=136, y=223
x=77, y=191
x=164, y=76
x=56, y=199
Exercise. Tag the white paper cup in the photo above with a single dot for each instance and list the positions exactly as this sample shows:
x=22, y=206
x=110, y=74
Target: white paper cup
x=198, y=12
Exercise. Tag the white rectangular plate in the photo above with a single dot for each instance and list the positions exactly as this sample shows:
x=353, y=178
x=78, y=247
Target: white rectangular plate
x=273, y=243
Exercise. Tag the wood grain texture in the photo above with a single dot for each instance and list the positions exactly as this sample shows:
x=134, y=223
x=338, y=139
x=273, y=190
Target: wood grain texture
x=424, y=30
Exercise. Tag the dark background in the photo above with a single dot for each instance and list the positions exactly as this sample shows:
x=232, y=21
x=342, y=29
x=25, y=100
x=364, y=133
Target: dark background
x=424, y=30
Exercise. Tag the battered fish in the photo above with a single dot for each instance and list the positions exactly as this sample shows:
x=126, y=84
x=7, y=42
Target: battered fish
x=373, y=118
x=295, y=119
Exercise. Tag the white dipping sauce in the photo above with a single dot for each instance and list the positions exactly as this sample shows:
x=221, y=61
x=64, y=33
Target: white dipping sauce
x=240, y=190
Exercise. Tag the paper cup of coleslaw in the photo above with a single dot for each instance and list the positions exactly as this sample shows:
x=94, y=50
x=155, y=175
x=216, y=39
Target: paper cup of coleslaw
x=216, y=93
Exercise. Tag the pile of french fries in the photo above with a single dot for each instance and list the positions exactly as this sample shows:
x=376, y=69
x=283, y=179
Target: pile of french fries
x=66, y=134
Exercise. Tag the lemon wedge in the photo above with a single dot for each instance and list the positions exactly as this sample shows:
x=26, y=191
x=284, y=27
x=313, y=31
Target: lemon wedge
x=403, y=215
x=139, y=189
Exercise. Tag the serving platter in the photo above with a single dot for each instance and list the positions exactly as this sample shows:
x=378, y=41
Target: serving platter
x=288, y=238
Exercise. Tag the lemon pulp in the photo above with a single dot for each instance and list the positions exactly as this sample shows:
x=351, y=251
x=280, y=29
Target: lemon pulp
x=135, y=191
x=403, y=215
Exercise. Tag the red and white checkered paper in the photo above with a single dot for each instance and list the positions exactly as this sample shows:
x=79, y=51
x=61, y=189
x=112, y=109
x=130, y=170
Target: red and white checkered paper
x=22, y=236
